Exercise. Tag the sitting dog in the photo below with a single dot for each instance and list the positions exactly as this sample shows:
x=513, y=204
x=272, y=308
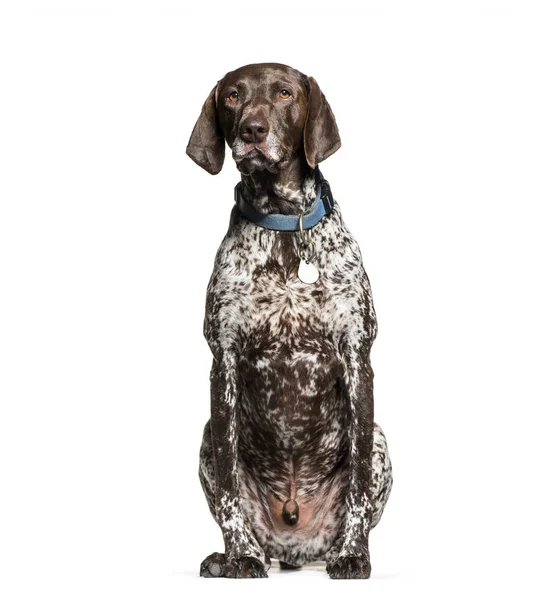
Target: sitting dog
x=292, y=464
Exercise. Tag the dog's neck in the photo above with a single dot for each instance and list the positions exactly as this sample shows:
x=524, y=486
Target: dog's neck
x=288, y=192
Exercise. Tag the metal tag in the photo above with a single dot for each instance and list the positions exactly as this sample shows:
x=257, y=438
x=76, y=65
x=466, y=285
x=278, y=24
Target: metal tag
x=307, y=272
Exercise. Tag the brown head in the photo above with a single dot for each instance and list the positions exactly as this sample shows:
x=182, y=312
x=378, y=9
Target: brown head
x=269, y=114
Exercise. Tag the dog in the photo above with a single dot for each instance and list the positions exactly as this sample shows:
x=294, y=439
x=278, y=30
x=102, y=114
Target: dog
x=291, y=462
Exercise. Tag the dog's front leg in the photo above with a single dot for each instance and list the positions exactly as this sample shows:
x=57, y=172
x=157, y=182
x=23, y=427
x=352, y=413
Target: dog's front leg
x=243, y=555
x=349, y=558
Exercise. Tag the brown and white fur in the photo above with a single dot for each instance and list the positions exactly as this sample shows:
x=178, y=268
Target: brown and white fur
x=292, y=464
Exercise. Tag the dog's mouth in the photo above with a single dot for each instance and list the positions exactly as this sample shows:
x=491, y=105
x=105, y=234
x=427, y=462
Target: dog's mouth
x=253, y=152
x=257, y=157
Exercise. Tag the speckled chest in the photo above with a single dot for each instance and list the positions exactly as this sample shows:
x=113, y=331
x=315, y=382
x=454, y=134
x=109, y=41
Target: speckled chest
x=290, y=367
x=286, y=335
x=255, y=297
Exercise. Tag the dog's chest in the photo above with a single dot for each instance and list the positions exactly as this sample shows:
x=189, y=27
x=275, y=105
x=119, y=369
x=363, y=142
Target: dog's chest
x=255, y=294
x=282, y=307
x=289, y=363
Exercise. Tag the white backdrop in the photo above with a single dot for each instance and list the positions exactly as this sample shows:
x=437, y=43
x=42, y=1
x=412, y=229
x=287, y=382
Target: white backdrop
x=107, y=238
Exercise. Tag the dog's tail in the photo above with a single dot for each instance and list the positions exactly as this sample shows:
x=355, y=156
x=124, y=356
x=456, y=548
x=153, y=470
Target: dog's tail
x=290, y=512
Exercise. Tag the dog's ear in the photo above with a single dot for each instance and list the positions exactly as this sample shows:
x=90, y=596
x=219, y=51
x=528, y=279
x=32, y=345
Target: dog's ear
x=207, y=144
x=320, y=135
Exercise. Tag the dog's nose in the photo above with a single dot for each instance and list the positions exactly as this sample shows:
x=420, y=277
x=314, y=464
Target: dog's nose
x=254, y=129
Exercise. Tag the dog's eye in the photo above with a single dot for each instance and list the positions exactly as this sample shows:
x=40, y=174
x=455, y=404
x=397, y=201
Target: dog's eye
x=284, y=94
x=233, y=96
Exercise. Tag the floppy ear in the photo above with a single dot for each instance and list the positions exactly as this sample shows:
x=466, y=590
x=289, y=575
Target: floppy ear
x=207, y=144
x=320, y=135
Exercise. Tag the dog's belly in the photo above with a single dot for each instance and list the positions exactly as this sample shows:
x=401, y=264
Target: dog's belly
x=293, y=445
x=320, y=523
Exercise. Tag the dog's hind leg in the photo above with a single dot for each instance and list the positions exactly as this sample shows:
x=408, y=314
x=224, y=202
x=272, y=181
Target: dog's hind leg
x=206, y=471
x=382, y=475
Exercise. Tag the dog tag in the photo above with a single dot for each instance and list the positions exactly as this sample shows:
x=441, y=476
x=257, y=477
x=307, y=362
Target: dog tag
x=307, y=272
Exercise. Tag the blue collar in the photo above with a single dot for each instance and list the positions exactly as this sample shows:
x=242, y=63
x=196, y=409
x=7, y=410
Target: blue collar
x=323, y=205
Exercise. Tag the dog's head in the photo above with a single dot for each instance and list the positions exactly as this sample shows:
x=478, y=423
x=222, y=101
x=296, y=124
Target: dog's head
x=268, y=113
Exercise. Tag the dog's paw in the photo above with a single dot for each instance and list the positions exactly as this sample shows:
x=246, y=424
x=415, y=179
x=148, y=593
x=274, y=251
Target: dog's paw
x=213, y=566
x=246, y=567
x=350, y=567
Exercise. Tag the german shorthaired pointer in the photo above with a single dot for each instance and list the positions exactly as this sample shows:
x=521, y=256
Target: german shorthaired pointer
x=292, y=464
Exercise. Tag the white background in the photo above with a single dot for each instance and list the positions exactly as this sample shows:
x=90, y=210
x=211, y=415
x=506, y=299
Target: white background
x=107, y=237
